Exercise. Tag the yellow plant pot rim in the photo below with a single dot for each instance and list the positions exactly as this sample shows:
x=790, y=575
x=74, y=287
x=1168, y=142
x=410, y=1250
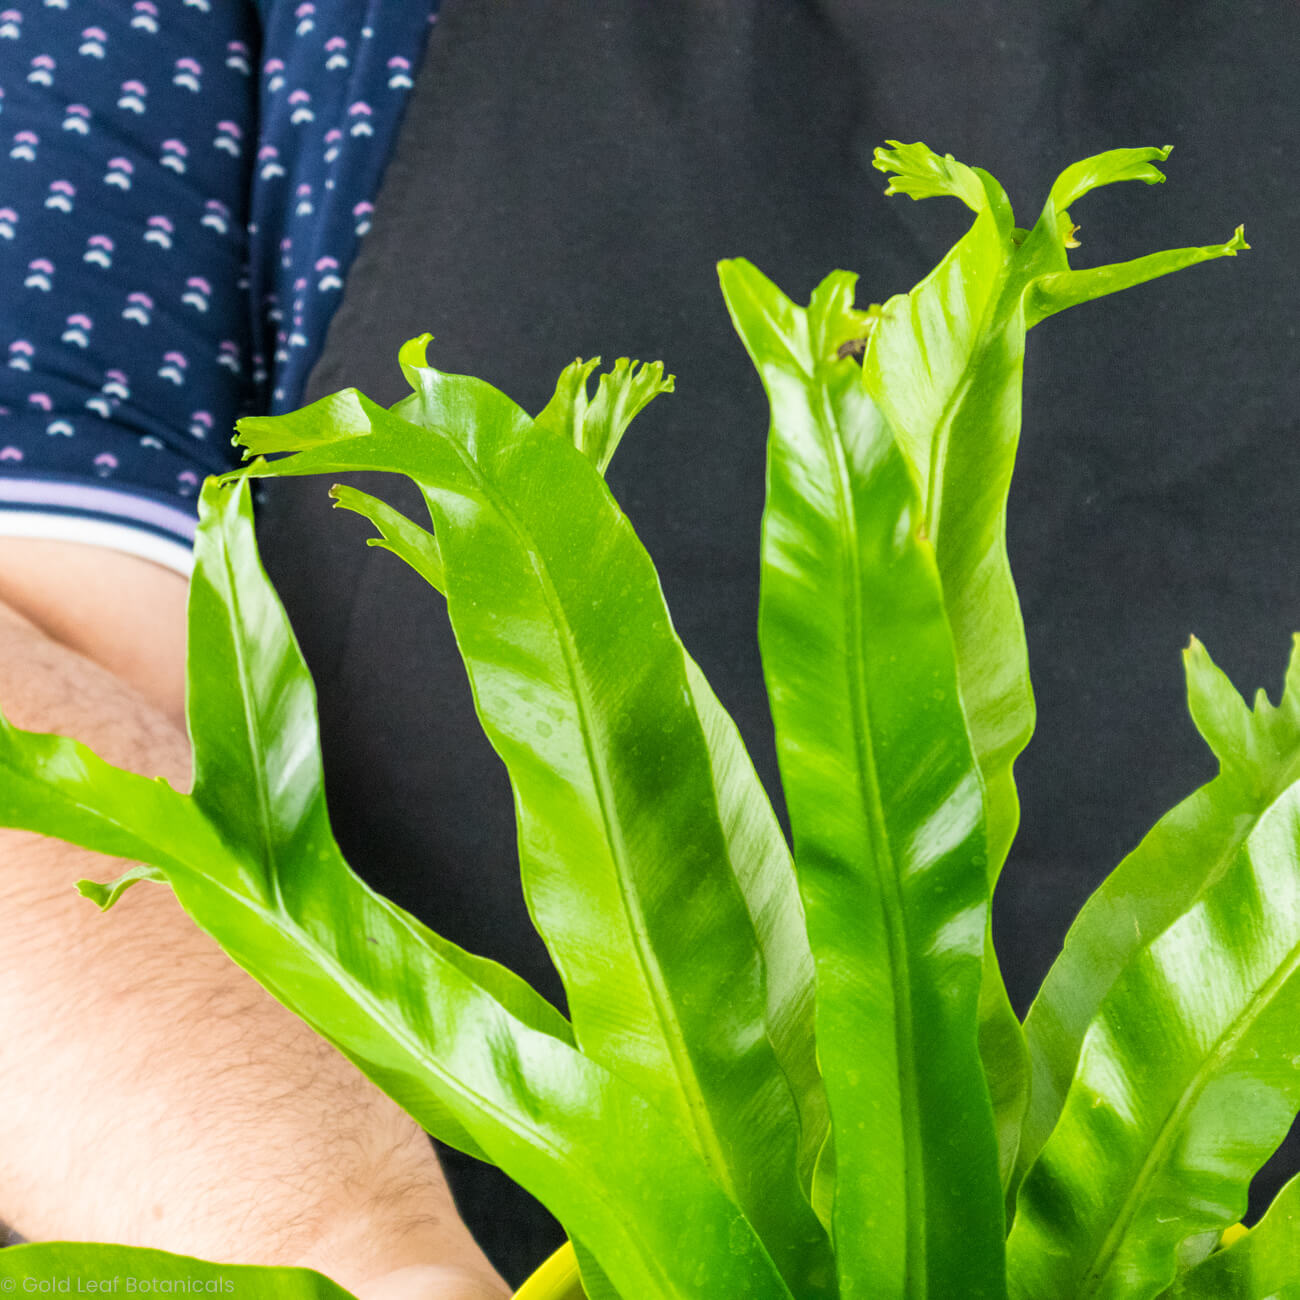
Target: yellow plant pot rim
x=553, y=1280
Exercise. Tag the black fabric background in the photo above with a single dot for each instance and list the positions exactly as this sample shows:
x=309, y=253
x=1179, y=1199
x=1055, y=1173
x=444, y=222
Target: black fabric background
x=566, y=179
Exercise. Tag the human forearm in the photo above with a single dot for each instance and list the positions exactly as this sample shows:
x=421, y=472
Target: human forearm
x=150, y=1093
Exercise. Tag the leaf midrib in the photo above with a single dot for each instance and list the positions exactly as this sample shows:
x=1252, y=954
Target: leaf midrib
x=1153, y=1162
x=883, y=862
x=696, y=1106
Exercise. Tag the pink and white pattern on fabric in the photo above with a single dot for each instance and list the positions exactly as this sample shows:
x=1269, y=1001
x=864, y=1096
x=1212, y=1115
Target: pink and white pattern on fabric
x=183, y=186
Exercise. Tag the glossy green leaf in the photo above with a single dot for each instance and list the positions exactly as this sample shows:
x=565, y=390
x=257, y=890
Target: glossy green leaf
x=1183, y=854
x=596, y=427
x=945, y=367
x=944, y=363
x=322, y=421
x=621, y=394
x=404, y=537
x=946, y=370
x=652, y=863
x=1262, y=1265
x=886, y=809
x=757, y=848
x=105, y=895
x=566, y=412
x=85, y=1268
x=764, y=870
x=465, y=1046
x=1186, y=1082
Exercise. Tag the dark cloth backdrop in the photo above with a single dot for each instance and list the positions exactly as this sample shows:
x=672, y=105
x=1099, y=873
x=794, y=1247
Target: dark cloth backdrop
x=566, y=179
